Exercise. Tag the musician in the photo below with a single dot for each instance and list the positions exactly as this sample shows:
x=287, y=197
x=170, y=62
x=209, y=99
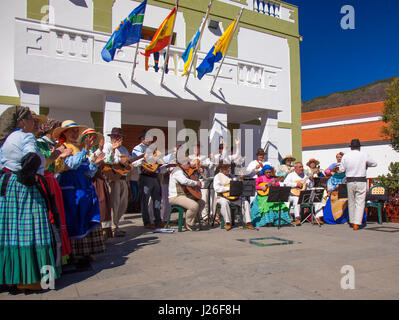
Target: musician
x=149, y=184
x=298, y=179
x=223, y=157
x=313, y=169
x=116, y=153
x=262, y=211
x=329, y=171
x=177, y=196
x=336, y=209
x=355, y=164
x=254, y=167
x=219, y=184
x=204, y=165
x=286, y=166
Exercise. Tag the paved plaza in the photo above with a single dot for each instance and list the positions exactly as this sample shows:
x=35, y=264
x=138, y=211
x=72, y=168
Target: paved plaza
x=219, y=265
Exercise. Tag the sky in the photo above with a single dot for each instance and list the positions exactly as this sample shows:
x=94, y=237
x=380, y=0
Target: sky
x=334, y=59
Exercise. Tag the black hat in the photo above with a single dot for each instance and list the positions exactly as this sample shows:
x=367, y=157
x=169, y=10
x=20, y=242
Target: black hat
x=355, y=143
x=143, y=133
x=116, y=132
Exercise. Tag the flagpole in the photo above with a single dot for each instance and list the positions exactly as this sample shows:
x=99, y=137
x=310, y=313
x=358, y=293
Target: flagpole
x=135, y=59
x=221, y=63
x=198, y=43
x=170, y=40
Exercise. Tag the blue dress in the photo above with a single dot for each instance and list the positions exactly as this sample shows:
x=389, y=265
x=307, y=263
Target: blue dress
x=82, y=211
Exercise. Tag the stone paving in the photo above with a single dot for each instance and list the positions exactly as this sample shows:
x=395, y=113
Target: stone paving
x=219, y=265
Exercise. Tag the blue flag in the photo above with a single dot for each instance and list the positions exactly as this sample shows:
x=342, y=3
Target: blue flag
x=217, y=51
x=127, y=33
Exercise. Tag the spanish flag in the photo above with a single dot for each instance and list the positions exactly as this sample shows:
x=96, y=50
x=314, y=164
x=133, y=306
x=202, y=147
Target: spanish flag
x=217, y=51
x=162, y=36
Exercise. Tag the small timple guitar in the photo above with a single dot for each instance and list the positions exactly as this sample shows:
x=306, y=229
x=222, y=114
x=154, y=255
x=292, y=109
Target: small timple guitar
x=114, y=172
x=264, y=193
x=297, y=191
x=227, y=194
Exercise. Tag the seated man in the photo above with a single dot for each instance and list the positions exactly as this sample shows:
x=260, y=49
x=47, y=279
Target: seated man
x=219, y=184
x=178, y=196
x=297, y=180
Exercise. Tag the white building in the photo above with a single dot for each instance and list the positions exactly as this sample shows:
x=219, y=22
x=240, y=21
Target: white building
x=327, y=132
x=51, y=62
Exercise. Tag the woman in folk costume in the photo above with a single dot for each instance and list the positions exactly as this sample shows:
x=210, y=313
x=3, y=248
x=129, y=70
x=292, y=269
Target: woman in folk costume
x=100, y=185
x=286, y=166
x=81, y=205
x=47, y=147
x=336, y=210
x=264, y=212
x=26, y=244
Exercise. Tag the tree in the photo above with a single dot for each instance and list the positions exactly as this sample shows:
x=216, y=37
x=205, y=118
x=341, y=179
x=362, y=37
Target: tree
x=391, y=113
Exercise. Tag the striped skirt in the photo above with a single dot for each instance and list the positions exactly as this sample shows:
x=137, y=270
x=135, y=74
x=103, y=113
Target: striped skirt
x=25, y=234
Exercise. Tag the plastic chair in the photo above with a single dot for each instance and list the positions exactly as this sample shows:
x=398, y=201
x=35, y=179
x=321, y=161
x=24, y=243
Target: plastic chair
x=181, y=212
x=377, y=192
x=232, y=207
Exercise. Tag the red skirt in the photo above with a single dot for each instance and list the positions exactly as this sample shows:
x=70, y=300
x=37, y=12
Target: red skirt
x=56, y=190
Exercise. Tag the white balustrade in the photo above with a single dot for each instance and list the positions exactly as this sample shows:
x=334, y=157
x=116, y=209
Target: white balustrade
x=85, y=46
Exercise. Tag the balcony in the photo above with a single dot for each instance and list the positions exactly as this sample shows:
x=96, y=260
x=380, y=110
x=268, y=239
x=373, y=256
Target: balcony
x=70, y=57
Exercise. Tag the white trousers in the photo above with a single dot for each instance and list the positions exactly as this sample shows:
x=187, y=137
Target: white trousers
x=356, y=201
x=226, y=212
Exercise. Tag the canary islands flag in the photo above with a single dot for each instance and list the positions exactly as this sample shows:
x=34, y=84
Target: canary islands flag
x=189, y=52
x=217, y=52
x=127, y=33
x=161, y=37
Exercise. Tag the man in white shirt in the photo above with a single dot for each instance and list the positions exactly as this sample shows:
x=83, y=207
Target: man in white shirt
x=355, y=164
x=116, y=153
x=255, y=166
x=177, y=195
x=219, y=184
x=298, y=179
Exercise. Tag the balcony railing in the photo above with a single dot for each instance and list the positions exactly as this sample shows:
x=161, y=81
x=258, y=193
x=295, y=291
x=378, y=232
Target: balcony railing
x=85, y=46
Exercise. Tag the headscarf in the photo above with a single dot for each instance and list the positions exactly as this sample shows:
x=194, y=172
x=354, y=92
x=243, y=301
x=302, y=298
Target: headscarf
x=9, y=119
x=265, y=168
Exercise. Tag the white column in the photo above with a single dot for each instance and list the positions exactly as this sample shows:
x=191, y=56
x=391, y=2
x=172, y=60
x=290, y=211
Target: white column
x=269, y=139
x=30, y=96
x=217, y=127
x=112, y=115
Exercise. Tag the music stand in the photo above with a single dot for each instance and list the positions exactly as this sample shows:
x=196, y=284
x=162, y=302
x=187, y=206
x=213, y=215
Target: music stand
x=320, y=182
x=309, y=197
x=279, y=195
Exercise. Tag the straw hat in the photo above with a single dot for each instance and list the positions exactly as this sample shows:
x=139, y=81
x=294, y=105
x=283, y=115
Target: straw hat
x=312, y=160
x=67, y=124
x=85, y=133
x=288, y=156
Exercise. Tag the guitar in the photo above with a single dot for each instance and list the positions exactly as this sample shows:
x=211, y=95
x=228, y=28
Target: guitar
x=196, y=168
x=268, y=185
x=192, y=192
x=296, y=191
x=227, y=194
x=114, y=171
x=152, y=167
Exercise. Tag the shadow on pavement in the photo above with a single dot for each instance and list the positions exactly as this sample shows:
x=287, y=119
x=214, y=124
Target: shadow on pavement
x=115, y=255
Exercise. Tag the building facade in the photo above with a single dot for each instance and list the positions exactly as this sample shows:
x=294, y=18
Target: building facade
x=327, y=132
x=52, y=63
